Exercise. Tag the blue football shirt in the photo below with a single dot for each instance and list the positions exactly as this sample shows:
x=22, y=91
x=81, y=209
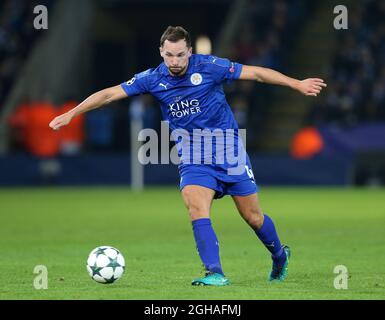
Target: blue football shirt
x=194, y=102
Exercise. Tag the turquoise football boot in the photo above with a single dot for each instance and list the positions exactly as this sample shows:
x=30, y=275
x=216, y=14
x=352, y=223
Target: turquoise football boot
x=279, y=273
x=211, y=279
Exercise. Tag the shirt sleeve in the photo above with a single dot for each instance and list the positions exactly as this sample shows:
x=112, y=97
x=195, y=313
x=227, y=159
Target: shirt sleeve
x=224, y=70
x=137, y=85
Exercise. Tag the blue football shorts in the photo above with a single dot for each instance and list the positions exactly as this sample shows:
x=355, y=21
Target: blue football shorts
x=217, y=178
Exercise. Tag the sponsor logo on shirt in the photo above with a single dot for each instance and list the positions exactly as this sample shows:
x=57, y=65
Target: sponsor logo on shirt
x=183, y=108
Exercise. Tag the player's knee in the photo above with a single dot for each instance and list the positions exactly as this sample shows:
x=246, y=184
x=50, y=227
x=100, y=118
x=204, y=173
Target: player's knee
x=197, y=212
x=187, y=193
x=254, y=218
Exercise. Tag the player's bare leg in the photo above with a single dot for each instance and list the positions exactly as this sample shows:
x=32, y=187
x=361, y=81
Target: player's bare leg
x=251, y=212
x=198, y=202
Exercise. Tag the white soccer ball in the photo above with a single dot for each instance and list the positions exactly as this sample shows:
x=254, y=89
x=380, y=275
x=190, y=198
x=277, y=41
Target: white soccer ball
x=105, y=264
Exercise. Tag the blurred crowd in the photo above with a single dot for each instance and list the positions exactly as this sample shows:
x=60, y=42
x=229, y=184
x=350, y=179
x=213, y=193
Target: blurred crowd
x=264, y=40
x=356, y=90
x=30, y=131
x=265, y=36
x=16, y=39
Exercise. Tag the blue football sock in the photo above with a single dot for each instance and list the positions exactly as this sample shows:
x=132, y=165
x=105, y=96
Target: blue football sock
x=268, y=235
x=207, y=244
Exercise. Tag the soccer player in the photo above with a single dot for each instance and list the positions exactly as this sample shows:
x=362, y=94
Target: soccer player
x=189, y=89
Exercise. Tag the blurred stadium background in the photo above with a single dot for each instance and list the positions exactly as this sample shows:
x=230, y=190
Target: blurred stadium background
x=336, y=139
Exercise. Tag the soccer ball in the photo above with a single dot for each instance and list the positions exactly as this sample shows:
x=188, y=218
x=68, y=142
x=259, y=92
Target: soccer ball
x=105, y=264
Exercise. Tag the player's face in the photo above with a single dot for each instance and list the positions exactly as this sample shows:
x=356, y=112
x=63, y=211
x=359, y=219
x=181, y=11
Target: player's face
x=176, y=56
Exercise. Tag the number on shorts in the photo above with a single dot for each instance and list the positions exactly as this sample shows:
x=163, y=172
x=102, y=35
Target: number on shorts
x=250, y=172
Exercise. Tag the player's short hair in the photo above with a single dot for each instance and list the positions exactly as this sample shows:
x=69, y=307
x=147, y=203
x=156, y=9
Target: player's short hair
x=175, y=34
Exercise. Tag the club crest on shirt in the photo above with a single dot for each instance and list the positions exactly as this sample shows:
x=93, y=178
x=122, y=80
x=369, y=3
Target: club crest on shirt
x=196, y=79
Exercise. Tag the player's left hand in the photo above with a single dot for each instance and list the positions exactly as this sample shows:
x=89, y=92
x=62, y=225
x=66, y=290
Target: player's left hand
x=60, y=121
x=311, y=86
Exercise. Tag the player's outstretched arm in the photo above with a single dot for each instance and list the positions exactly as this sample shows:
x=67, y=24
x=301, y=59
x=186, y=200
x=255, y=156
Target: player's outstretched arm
x=308, y=87
x=94, y=101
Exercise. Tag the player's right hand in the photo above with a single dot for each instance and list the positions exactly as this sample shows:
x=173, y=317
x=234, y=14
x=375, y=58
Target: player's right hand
x=60, y=121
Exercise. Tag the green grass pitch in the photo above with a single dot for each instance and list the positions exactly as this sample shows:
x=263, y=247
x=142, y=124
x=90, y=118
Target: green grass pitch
x=58, y=227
